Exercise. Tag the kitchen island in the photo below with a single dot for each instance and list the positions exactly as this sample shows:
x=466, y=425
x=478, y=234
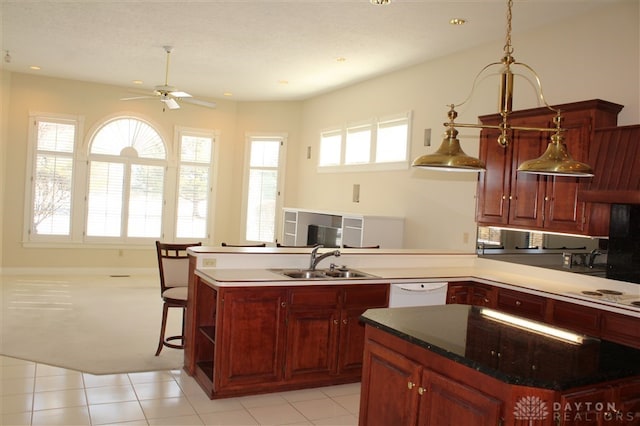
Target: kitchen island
x=254, y=330
x=458, y=364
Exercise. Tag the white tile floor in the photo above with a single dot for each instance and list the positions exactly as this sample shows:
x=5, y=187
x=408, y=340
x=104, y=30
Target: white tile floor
x=38, y=394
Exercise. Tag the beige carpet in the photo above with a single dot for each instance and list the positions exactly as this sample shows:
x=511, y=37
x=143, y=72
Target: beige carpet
x=94, y=324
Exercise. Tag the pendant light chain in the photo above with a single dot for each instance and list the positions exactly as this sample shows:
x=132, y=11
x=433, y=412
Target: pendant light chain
x=508, y=49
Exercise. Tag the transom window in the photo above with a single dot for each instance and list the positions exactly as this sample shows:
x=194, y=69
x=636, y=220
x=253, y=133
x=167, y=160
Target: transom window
x=373, y=145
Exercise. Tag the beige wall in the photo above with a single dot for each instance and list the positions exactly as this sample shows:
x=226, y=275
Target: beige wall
x=596, y=56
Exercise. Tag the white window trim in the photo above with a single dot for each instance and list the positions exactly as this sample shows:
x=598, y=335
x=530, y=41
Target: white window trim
x=372, y=165
x=169, y=225
x=75, y=234
x=245, y=181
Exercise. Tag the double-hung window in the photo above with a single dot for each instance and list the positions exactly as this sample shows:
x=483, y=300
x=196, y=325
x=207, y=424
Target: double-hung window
x=194, y=184
x=262, y=189
x=52, y=177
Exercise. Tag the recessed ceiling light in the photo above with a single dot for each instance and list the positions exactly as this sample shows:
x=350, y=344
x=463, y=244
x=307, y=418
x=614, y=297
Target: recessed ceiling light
x=380, y=1
x=138, y=82
x=283, y=81
x=34, y=67
x=458, y=21
x=228, y=94
x=341, y=59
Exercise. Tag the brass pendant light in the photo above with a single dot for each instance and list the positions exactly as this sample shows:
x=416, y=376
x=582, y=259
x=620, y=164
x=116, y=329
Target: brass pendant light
x=556, y=161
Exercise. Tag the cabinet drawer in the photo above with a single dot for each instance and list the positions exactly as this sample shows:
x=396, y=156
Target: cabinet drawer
x=315, y=296
x=576, y=317
x=621, y=329
x=366, y=295
x=522, y=304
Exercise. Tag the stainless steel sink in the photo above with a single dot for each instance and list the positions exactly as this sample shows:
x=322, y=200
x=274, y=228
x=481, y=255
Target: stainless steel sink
x=322, y=274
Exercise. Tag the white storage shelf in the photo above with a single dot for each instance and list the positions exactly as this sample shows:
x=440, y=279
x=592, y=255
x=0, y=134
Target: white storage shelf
x=357, y=230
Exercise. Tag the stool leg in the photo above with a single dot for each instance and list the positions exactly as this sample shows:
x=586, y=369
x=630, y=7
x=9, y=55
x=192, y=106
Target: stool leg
x=165, y=310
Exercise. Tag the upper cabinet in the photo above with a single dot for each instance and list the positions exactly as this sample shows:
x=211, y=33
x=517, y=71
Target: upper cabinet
x=518, y=200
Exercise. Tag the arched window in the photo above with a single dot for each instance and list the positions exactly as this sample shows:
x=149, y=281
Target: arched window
x=127, y=164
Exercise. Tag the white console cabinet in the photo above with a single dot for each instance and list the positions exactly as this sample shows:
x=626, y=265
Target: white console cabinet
x=354, y=230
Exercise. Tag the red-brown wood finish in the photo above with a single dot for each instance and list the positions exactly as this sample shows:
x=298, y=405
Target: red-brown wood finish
x=619, y=328
x=248, y=340
x=406, y=384
x=508, y=198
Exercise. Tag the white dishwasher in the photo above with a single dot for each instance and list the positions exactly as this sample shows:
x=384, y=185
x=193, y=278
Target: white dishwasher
x=418, y=294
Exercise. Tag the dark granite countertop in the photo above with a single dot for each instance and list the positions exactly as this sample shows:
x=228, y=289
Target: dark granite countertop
x=511, y=353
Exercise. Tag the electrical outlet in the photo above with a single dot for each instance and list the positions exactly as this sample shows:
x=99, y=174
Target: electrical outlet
x=356, y=193
x=427, y=137
x=209, y=262
x=465, y=237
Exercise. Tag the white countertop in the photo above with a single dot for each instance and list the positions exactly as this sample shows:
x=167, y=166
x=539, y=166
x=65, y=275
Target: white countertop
x=426, y=267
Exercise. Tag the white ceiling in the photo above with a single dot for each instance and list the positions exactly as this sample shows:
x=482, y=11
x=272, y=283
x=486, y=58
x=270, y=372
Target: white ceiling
x=247, y=47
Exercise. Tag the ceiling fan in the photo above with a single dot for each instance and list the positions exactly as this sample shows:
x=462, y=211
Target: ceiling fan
x=168, y=94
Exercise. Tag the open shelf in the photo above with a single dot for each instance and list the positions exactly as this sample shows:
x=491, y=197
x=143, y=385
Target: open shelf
x=209, y=331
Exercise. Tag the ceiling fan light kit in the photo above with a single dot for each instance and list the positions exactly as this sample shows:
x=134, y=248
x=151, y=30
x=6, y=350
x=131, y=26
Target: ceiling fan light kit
x=168, y=94
x=556, y=161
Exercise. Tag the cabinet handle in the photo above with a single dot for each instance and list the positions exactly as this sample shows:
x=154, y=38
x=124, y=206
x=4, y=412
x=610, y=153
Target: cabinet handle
x=518, y=303
x=493, y=353
x=452, y=298
x=504, y=197
x=283, y=304
x=345, y=322
x=421, y=390
x=335, y=321
x=410, y=385
x=486, y=300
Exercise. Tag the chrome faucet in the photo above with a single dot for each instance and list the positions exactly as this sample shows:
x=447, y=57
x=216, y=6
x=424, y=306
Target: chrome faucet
x=315, y=259
x=592, y=257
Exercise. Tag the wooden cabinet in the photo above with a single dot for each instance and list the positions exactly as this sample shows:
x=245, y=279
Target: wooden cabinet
x=471, y=293
x=594, y=322
x=399, y=391
x=324, y=333
x=522, y=304
x=518, y=200
x=251, y=347
x=576, y=317
x=618, y=404
x=260, y=339
x=621, y=329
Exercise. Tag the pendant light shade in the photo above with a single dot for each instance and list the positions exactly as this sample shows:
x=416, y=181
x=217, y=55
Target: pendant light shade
x=449, y=157
x=556, y=161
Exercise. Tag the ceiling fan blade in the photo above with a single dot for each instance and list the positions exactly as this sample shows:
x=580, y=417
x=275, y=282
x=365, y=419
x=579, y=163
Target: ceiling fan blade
x=138, y=97
x=199, y=102
x=179, y=94
x=171, y=103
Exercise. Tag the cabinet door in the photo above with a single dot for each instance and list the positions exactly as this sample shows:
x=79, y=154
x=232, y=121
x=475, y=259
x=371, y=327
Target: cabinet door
x=628, y=403
x=581, y=408
x=445, y=401
x=389, y=388
x=313, y=326
x=253, y=337
x=351, y=342
x=312, y=339
x=356, y=300
x=493, y=185
x=563, y=211
x=527, y=191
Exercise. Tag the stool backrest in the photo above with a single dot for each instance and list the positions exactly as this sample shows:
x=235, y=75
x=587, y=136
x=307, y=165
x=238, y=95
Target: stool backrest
x=173, y=264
